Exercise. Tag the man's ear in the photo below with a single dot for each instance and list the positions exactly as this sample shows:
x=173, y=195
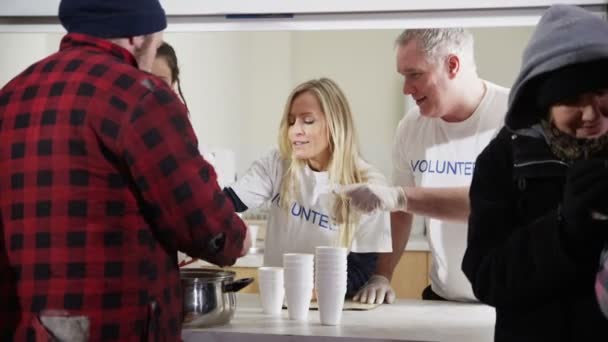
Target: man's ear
x=453, y=65
x=137, y=42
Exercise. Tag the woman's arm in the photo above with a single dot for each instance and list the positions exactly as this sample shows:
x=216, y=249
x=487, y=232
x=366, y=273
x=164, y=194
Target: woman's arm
x=258, y=184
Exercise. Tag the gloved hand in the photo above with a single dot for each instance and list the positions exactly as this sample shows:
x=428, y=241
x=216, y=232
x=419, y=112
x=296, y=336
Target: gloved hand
x=369, y=197
x=377, y=290
x=585, y=204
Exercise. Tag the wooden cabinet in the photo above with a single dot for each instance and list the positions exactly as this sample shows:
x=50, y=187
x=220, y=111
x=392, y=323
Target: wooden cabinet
x=411, y=275
x=410, y=278
x=246, y=272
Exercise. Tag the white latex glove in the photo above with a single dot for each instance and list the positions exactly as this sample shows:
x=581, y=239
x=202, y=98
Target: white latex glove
x=369, y=197
x=377, y=290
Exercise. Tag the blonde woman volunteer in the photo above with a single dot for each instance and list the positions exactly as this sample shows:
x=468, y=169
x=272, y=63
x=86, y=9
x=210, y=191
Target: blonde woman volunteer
x=317, y=150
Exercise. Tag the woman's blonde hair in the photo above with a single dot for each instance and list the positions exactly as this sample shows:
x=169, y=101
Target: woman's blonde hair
x=343, y=163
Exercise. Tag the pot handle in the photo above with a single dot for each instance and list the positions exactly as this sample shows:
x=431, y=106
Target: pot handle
x=237, y=285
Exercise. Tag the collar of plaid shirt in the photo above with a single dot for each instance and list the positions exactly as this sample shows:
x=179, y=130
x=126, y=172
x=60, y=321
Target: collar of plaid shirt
x=80, y=40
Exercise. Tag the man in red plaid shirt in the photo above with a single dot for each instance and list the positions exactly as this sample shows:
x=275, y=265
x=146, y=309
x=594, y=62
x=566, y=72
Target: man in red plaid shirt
x=101, y=184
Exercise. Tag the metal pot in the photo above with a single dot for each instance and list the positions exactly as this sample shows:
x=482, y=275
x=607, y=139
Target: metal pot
x=209, y=296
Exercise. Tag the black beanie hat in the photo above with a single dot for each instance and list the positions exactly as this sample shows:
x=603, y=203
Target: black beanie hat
x=112, y=18
x=571, y=81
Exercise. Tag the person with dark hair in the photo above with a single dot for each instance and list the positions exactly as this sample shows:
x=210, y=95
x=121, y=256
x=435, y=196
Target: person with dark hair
x=166, y=67
x=102, y=183
x=539, y=195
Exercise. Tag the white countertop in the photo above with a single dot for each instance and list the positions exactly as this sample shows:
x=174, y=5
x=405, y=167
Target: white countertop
x=255, y=258
x=417, y=243
x=404, y=320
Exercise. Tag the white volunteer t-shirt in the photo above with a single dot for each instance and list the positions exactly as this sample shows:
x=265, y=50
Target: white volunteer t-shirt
x=430, y=152
x=306, y=225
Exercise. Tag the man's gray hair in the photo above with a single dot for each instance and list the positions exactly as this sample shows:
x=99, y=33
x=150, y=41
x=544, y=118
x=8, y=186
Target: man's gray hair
x=437, y=43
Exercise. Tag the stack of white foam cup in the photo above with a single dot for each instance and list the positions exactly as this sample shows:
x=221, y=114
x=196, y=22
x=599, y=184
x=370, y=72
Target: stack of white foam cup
x=299, y=273
x=330, y=282
x=272, y=290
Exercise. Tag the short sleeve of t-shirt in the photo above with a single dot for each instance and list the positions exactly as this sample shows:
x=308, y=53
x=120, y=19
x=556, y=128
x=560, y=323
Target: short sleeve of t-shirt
x=260, y=181
x=403, y=174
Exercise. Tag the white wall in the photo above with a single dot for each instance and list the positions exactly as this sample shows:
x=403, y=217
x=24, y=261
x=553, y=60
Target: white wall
x=236, y=83
x=246, y=118
x=19, y=50
x=211, y=69
x=498, y=52
x=268, y=83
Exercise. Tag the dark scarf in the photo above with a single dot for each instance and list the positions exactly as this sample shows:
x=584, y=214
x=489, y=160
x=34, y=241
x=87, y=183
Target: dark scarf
x=569, y=148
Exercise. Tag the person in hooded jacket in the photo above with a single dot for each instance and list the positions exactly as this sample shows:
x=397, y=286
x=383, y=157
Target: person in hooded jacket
x=539, y=209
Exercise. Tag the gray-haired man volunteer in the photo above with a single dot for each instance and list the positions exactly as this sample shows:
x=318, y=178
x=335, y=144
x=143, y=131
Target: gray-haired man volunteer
x=434, y=153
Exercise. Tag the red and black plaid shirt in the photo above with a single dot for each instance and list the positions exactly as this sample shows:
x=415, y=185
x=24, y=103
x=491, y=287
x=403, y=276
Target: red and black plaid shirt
x=101, y=182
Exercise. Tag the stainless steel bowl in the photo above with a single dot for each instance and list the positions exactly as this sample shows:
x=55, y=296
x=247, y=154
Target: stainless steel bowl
x=209, y=296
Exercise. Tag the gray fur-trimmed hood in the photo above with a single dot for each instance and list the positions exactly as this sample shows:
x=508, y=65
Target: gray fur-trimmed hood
x=565, y=35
